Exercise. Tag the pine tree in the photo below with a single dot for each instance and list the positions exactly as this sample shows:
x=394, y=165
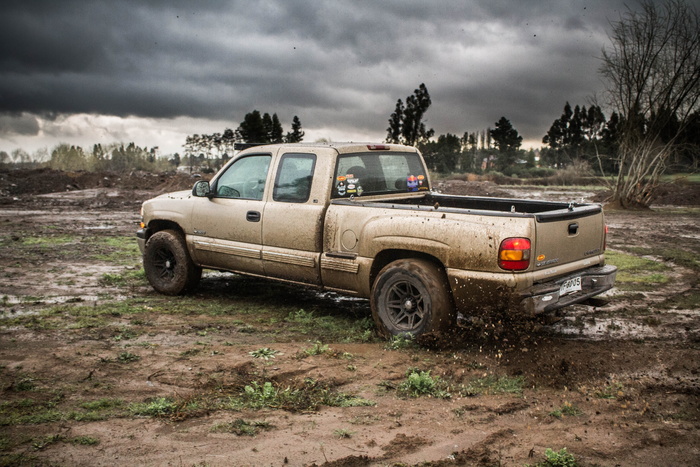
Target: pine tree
x=296, y=135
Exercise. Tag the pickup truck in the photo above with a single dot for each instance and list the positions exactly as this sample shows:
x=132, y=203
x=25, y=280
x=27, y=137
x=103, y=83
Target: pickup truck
x=362, y=219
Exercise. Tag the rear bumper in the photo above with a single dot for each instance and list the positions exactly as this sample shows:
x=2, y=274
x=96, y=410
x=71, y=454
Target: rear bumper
x=546, y=297
x=478, y=293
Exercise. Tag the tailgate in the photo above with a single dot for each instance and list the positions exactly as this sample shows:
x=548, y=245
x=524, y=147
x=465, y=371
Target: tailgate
x=568, y=235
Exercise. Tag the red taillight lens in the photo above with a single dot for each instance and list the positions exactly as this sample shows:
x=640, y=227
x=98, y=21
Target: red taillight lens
x=514, y=254
x=378, y=147
x=605, y=238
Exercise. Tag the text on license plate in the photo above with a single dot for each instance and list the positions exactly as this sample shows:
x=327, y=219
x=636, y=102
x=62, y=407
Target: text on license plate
x=572, y=285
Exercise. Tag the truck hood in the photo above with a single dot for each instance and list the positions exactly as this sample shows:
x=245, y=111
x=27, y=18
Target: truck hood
x=184, y=194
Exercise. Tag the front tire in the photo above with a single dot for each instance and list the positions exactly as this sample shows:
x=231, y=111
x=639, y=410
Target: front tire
x=411, y=296
x=167, y=263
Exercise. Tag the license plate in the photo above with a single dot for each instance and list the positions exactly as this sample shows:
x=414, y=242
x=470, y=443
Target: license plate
x=572, y=285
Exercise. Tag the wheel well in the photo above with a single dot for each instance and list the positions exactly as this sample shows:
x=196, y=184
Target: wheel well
x=158, y=224
x=387, y=256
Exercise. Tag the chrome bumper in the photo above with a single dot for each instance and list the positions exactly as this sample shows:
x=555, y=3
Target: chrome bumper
x=542, y=298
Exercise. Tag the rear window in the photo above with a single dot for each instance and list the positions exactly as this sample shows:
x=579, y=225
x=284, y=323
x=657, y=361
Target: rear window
x=379, y=173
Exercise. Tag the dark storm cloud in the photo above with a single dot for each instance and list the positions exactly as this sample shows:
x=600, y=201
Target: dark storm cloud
x=334, y=63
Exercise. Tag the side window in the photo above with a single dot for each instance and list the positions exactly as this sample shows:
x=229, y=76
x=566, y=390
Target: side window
x=245, y=178
x=294, y=176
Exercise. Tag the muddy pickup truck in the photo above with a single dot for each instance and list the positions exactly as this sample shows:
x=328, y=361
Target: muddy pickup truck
x=361, y=219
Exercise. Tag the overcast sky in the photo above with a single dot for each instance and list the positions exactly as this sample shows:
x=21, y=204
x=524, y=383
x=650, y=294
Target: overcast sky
x=153, y=72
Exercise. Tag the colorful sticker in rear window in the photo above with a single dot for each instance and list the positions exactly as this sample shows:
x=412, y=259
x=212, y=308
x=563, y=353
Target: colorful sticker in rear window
x=341, y=189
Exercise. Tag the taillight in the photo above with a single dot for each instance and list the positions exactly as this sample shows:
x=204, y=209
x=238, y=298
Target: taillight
x=605, y=238
x=378, y=147
x=514, y=254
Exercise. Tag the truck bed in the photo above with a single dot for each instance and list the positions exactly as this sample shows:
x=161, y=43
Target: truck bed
x=542, y=211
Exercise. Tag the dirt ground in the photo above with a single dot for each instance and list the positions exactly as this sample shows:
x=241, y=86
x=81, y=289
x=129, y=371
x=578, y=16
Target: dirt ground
x=614, y=381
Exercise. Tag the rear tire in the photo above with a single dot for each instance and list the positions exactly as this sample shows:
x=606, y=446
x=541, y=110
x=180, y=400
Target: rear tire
x=411, y=296
x=168, y=265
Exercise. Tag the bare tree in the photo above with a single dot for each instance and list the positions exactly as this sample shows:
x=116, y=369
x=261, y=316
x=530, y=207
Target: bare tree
x=652, y=74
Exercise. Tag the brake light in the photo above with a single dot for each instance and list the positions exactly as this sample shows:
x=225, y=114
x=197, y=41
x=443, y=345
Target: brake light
x=605, y=238
x=514, y=254
x=378, y=147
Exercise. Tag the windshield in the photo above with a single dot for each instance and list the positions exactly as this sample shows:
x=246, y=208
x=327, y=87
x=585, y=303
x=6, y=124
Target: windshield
x=379, y=173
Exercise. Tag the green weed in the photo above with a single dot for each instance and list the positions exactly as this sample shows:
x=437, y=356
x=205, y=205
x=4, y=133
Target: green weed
x=567, y=410
x=264, y=353
x=127, y=357
x=190, y=353
x=24, y=384
x=309, y=395
x=85, y=440
x=420, y=383
x=102, y=404
x=561, y=458
x=611, y=391
x=400, y=342
x=318, y=348
x=159, y=407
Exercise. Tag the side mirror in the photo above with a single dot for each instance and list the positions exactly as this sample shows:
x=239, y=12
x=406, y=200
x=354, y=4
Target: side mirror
x=201, y=189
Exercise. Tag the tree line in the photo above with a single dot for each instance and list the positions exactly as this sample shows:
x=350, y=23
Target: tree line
x=211, y=151
x=651, y=71
x=205, y=152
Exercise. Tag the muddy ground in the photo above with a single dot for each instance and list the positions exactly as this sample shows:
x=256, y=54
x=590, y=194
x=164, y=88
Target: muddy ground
x=83, y=342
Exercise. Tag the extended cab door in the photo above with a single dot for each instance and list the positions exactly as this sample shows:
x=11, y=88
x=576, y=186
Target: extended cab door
x=227, y=225
x=293, y=222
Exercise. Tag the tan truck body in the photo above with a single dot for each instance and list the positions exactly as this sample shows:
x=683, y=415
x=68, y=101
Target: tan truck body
x=355, y=230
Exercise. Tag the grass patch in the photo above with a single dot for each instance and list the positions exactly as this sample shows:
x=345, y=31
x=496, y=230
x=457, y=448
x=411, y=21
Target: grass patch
x=307, y=396
x=129, y=278
x=634, y=271
x=36, y=411
x=566, y=410
x=127, y=357
x=318, y=348
x=121, y=250
x=401, y=342
x=561, y=458
x=158, y=407
x=264, y=353
x=104, y=404
x=421, y=383
x=610, y=391
x=336, y=327
x=684, y=258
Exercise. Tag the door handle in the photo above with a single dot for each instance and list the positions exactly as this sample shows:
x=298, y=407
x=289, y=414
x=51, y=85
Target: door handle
x=252, y=216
